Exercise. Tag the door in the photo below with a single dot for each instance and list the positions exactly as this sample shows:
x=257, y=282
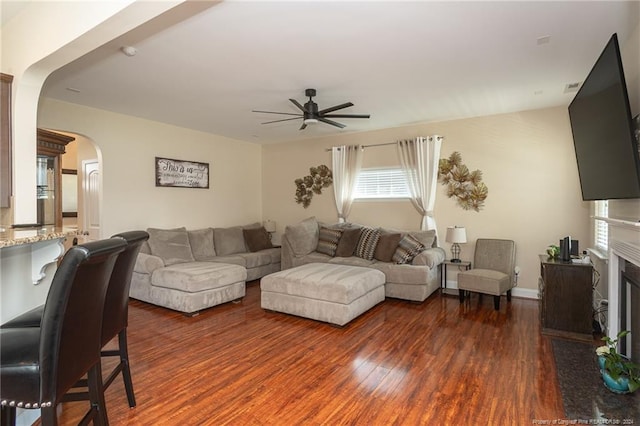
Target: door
x=91, y=197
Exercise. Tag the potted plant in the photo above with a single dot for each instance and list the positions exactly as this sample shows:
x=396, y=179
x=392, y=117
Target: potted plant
x=619, y=373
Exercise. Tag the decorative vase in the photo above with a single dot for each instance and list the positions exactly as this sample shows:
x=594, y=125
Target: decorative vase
x=618, y=386
x=601, y=360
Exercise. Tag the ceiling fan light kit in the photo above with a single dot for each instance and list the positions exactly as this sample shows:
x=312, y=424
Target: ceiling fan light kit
x=310, y=113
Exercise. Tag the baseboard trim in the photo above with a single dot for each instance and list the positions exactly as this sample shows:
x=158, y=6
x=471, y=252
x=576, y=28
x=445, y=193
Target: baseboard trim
x=525, y=293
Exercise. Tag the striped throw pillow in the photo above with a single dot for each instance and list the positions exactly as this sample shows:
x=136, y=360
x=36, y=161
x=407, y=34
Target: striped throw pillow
x=408, y=248
x=328, y=240
x=367, y=244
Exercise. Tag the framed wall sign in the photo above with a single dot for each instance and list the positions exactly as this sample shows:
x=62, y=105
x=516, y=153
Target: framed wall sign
x=182, y=174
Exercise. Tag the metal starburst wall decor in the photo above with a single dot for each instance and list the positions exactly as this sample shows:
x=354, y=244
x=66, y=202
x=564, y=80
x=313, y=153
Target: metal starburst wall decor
x=463, y=185
x=318, y=178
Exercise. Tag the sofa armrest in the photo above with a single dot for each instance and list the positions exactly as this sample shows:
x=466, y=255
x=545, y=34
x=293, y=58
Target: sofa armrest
x=430, y=257
x=147, y=263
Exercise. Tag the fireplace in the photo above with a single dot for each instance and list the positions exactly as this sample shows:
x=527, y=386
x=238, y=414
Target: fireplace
x=629, y=305
x=624, y=289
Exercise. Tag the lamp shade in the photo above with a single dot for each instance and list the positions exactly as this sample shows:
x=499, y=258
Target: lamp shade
x=456, y=234
x=269, y=226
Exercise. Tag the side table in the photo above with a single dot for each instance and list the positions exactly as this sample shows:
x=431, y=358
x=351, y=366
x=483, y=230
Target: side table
x=463, y=265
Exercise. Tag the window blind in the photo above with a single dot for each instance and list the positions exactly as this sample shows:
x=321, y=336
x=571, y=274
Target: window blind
x=601, y=228
x=381, y=183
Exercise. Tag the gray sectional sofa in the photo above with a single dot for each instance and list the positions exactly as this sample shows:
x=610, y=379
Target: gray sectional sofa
x=191, y=270
x=410, y=260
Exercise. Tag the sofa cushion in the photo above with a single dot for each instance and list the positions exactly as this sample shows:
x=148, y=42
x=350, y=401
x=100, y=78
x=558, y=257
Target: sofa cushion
x=303, y=236
x=348, y=242
x=367, y=244
x=256, y=239
x=427, y=238
x=328, y=240
x=229, y=240
x=430, y=257
x=171, y=245
x=408, y=248
x=255, y=260
x=201, y=241
x=234, y=259
x=193, y=277
x=387, y=245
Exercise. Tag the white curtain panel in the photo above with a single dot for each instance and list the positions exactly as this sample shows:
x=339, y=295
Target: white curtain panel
x=419, y=159
x=347, y=161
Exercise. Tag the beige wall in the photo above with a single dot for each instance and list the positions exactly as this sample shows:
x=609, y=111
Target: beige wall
x=127, y=147
x=528, y=164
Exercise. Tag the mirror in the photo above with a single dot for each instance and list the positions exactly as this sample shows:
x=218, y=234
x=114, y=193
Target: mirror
x=69, y=193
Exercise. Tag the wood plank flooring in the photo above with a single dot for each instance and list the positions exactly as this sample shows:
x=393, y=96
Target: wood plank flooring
x=400, y=363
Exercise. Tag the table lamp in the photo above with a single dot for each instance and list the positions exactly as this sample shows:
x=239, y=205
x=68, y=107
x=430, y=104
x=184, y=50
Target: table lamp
x=270, y=227
x=456, y=235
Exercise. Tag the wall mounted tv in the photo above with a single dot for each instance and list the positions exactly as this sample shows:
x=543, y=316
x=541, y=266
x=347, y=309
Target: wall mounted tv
x=603, y=133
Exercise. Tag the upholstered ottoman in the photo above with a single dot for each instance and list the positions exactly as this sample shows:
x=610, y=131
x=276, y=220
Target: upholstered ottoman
x=322, y=291
x=193, y=286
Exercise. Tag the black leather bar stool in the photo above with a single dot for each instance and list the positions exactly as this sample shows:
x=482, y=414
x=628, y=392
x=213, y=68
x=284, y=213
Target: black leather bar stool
x=115, y=317
x=38, y=365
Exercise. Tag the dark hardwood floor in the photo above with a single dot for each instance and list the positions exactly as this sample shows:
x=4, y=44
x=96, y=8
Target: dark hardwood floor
x=400, y=363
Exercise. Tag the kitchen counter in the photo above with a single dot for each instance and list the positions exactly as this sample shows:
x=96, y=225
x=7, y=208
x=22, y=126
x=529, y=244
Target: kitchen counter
x=16, y=237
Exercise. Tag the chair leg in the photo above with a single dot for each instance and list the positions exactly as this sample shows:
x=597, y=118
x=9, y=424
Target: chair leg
x=461, y=295
x=126, y=371
x=49, y=416
x=508, y=295
x=96, y=395
x=496, y=303
x=8, y=416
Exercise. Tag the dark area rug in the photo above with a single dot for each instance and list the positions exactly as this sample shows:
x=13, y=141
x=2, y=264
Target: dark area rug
x=584, y=394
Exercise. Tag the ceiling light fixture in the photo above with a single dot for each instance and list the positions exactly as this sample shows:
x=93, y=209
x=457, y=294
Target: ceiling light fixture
x=129, y=50
x=310, y=120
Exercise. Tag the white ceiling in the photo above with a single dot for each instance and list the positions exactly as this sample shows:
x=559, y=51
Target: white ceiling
x=206, y=66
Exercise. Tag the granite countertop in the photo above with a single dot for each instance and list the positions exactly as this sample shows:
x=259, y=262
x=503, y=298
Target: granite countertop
x=16, y=237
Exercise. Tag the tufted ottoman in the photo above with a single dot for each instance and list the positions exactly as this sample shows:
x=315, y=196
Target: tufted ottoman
x=322, y=291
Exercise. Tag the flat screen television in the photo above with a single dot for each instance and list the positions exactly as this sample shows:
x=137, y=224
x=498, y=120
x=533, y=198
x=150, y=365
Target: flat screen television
x=603, y=131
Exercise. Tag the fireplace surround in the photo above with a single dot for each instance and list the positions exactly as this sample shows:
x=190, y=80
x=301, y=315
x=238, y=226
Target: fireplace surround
x=624, y=284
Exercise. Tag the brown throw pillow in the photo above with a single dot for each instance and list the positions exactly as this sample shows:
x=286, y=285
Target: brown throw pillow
x=387, y=245
x=348, y=242
x=257, y=239
x=328, y=240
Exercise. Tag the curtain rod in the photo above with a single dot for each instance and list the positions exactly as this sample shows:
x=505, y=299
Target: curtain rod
x=378, y=144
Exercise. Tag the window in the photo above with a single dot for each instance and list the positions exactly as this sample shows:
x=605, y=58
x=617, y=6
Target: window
x=381, y=183
x=601, y=228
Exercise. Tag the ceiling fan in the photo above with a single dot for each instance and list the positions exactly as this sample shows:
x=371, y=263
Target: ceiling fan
x=310, y=113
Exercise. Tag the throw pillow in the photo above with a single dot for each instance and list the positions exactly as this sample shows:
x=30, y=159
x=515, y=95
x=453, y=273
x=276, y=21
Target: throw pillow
x=387, y=245
x=201, y=241
x=257, y=239
x=328, y=240
x=228, y=240
x=348, y=242
x=408, y=248
x=171, y=245
x=367, y=244
x=303, y=236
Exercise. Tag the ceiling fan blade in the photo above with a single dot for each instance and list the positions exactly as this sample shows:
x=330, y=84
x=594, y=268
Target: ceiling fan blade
x=296, y=103
x=348, y=116
x=284, y=119
x=333, y=123
x=304, y=126
x=335, y=108
x=273, y=112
